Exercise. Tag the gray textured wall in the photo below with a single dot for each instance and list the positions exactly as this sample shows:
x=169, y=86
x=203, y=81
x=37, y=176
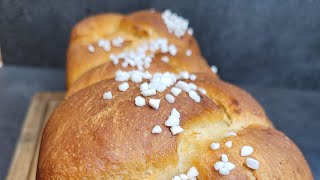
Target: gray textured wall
x=267, y=43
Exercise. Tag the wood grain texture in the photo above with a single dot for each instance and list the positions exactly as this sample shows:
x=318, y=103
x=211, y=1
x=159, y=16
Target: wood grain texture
x=24, y=162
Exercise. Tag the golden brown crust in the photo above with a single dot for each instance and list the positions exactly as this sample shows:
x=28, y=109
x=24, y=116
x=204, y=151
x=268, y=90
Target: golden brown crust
x=95, y=133
x=278, y=156
x=146, y=19
x=134, y=28
x=86, y=32
x=88, y=137
x=236, y=102
x=180, y=62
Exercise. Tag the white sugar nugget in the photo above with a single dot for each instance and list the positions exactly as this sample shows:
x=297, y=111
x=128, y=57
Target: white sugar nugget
x=124, y=86
x=215, y=146
x=172, y=121
x=91, y=48
x=154, y=103
x=176, y=130
x=139, y=101
x=252, y=163
x=193, y=172
x=170, y=98
x=246, y=151
x=156, y=130
x=107, y=95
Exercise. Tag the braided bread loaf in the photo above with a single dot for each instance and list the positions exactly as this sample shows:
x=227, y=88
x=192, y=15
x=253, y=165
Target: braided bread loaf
x=134, y=29
x=177, y=121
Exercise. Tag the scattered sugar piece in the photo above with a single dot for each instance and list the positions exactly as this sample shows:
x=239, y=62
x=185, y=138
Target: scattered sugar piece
x=161, y=88
x=184, y=75
x=144, y=86
x=101, y=42
x=252, y=163
x=107, y=95
x=230, y=166
x=246, y=151
x=224, y=158
x=140, y=68
x=136, y=77
x=174, y=112
x=154, y=103
x=132, y=63
x=224, y=171
x=170, y=98
x=202, y=91
x=153, y=85
x=172, y=121
x=156, y=129
x=192, y=86
x=105, y=44
x=140, y=101
x=172, y=50
x=124, y=64
x=228, y=144
x=107, y=48
x=183, y=86
x=124, y=86
x=218, y=165
x=190, y=31
x=176, y=130
x=183, y=177
x=188, y=52
x=114, y=59
x=147, y=65
x=91, y=48
x=112, y=56
x=117, y=42
x=122, y=76
x=230, y=134
x=175, y=91
x=165, y=59
x=193, y=77
x=147, y=75
x=215, y=146
x=194, y=95
x=214, y=69
x=149, y=92
x=176, y=178
x=192, y=173
x=164, y=48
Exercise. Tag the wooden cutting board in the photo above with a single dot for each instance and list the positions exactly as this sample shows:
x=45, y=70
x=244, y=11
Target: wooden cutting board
x=25, y=159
